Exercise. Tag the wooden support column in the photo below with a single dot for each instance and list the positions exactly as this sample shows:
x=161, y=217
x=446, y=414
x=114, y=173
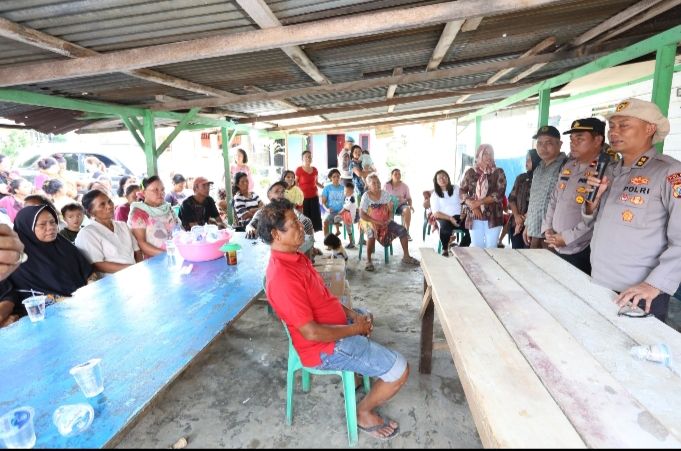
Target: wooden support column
x=478, y=131
x=662, y=81
x=427, y=316
x=228, y=176
x=544, y=103
x=150, y=143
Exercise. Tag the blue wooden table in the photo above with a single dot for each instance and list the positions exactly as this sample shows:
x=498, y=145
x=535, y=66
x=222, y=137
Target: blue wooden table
x=146, y=323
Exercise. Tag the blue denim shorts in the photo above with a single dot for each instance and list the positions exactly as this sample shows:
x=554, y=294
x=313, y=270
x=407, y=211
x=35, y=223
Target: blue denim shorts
x=366, y=357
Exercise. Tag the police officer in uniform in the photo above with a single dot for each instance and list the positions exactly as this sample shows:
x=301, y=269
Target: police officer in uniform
x=563, y=226
x=636, y=244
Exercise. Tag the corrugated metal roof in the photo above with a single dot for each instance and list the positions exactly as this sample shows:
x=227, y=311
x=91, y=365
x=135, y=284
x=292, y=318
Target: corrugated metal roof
x=109, y=25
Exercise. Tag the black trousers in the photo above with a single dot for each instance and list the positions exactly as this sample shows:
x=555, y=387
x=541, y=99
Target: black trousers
x=446, y=230
x=581, y=260
x=659, y=308
x=517, y=241
x=311, y=210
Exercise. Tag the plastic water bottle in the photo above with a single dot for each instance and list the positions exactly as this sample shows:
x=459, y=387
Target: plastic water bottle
x=655, y=353
x=170, y=253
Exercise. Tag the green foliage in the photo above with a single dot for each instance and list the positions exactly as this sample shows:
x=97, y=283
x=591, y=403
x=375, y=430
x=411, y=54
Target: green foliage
x=13, y=142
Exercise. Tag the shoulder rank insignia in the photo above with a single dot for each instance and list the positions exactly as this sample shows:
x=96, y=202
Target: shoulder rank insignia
x=641, y=161
x=640, y=180
x=627, y=216
x=566, y=172
x=581, y=189
x=674, y=178
x=579, y=199
x=637, y=200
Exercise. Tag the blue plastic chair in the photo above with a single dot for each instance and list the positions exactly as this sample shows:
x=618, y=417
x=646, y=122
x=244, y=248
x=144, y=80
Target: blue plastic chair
x=348, y=377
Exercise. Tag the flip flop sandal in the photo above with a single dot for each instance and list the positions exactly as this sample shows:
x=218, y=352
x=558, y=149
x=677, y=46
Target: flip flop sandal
x=410, y=261
x=369, y=267
x=374, y=430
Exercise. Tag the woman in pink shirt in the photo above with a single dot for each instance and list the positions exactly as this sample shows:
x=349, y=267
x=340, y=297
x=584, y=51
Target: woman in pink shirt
x=396, y=187
x=18, y=190
x=240, y=160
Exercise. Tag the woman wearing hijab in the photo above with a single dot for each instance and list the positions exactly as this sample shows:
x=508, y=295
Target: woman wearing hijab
x=482, y=192
x=519, y=199
x=54, y=266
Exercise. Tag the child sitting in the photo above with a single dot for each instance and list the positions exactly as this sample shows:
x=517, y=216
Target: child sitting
x=349, y=212
x=367, y=162
x=73, y=215
x=333, y=243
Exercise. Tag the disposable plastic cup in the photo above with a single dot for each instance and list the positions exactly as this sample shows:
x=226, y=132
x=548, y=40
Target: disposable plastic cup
x=71, y=419
x=89, y=377
x=35, y=306
x=16, y=428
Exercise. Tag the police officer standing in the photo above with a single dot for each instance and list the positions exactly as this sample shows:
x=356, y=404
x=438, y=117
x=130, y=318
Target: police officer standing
x=636, y=244
x=563, y=226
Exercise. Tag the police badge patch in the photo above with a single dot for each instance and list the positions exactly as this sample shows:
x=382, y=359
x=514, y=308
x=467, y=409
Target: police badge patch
x=627, y=216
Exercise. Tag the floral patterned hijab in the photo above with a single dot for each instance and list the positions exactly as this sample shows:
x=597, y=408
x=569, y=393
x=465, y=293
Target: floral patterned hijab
x=483, y=173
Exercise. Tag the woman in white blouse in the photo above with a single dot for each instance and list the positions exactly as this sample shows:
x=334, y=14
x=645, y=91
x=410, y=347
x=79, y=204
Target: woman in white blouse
x=108, y=244
x=446, y=207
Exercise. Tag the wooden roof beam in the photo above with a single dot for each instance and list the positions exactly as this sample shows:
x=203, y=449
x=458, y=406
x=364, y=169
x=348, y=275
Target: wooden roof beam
x=265, y=18
x=537, y=49
x=652, y=12
x=446, y=38
x=392, y=88
x=614, y=21
x=259, y=40
x=35, y=38
x=378, y=104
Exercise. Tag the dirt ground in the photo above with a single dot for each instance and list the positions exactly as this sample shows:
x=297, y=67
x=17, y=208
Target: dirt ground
x=233, y=396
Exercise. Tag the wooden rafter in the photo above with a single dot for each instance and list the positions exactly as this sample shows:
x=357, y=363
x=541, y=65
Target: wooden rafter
x=448, y=35
x=387, y=81
x=652, y=12
x=35, y=38
x=392, y=88
x=535, y=50
x=259, y=40
x=265, y=18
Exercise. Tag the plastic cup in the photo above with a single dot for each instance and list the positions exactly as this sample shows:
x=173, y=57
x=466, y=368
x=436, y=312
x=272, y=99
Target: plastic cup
x=71, y=419
x=35, y=306
x=89, y=377
x=16, y=428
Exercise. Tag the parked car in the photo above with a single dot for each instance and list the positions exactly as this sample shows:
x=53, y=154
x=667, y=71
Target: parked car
x=116, y=167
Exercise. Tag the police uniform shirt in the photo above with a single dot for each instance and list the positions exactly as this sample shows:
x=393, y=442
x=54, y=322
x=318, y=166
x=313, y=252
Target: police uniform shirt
x=564, y=213
x=637, y=233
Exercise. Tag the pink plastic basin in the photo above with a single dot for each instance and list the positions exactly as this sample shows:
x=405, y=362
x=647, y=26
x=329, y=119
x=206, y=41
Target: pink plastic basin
x=202, y=251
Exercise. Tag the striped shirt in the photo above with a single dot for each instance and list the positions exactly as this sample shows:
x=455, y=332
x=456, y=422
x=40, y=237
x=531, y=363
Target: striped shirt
x=543, y=182
x=243, y=203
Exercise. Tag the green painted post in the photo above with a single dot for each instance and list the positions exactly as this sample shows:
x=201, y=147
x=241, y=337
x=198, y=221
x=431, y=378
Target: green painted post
x=662, y=80
x=478, y=131
x=150, y=143
x=544, y=103
x=133, y=130
x=228, y=175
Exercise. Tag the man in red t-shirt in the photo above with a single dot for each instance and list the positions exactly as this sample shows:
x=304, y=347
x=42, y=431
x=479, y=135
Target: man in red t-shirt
x=326, y=334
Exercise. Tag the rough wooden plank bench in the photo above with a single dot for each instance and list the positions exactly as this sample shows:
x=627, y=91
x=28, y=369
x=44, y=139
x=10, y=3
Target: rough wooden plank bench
x=572, y=343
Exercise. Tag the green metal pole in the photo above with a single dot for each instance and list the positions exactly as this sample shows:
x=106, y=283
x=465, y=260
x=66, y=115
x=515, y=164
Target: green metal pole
x=180, y=127
x=228, y=175
x=662, y=80
x=478, y=131
x=133, y=130
x=544, y=102
x=150, y=143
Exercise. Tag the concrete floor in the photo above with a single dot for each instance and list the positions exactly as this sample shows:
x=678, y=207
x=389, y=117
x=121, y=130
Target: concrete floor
x=233, y=396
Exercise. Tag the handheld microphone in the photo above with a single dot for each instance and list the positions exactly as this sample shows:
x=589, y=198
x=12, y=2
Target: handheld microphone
x=603, y=160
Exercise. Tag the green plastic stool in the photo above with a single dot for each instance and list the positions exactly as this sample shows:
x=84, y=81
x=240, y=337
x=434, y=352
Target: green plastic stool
x=348, y=377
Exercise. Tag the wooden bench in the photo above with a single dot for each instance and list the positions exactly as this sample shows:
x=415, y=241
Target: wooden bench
x=147, y=323
x=543, y=356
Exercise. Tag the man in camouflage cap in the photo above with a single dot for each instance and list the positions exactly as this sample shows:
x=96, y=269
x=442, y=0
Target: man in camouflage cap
x=636, y=244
